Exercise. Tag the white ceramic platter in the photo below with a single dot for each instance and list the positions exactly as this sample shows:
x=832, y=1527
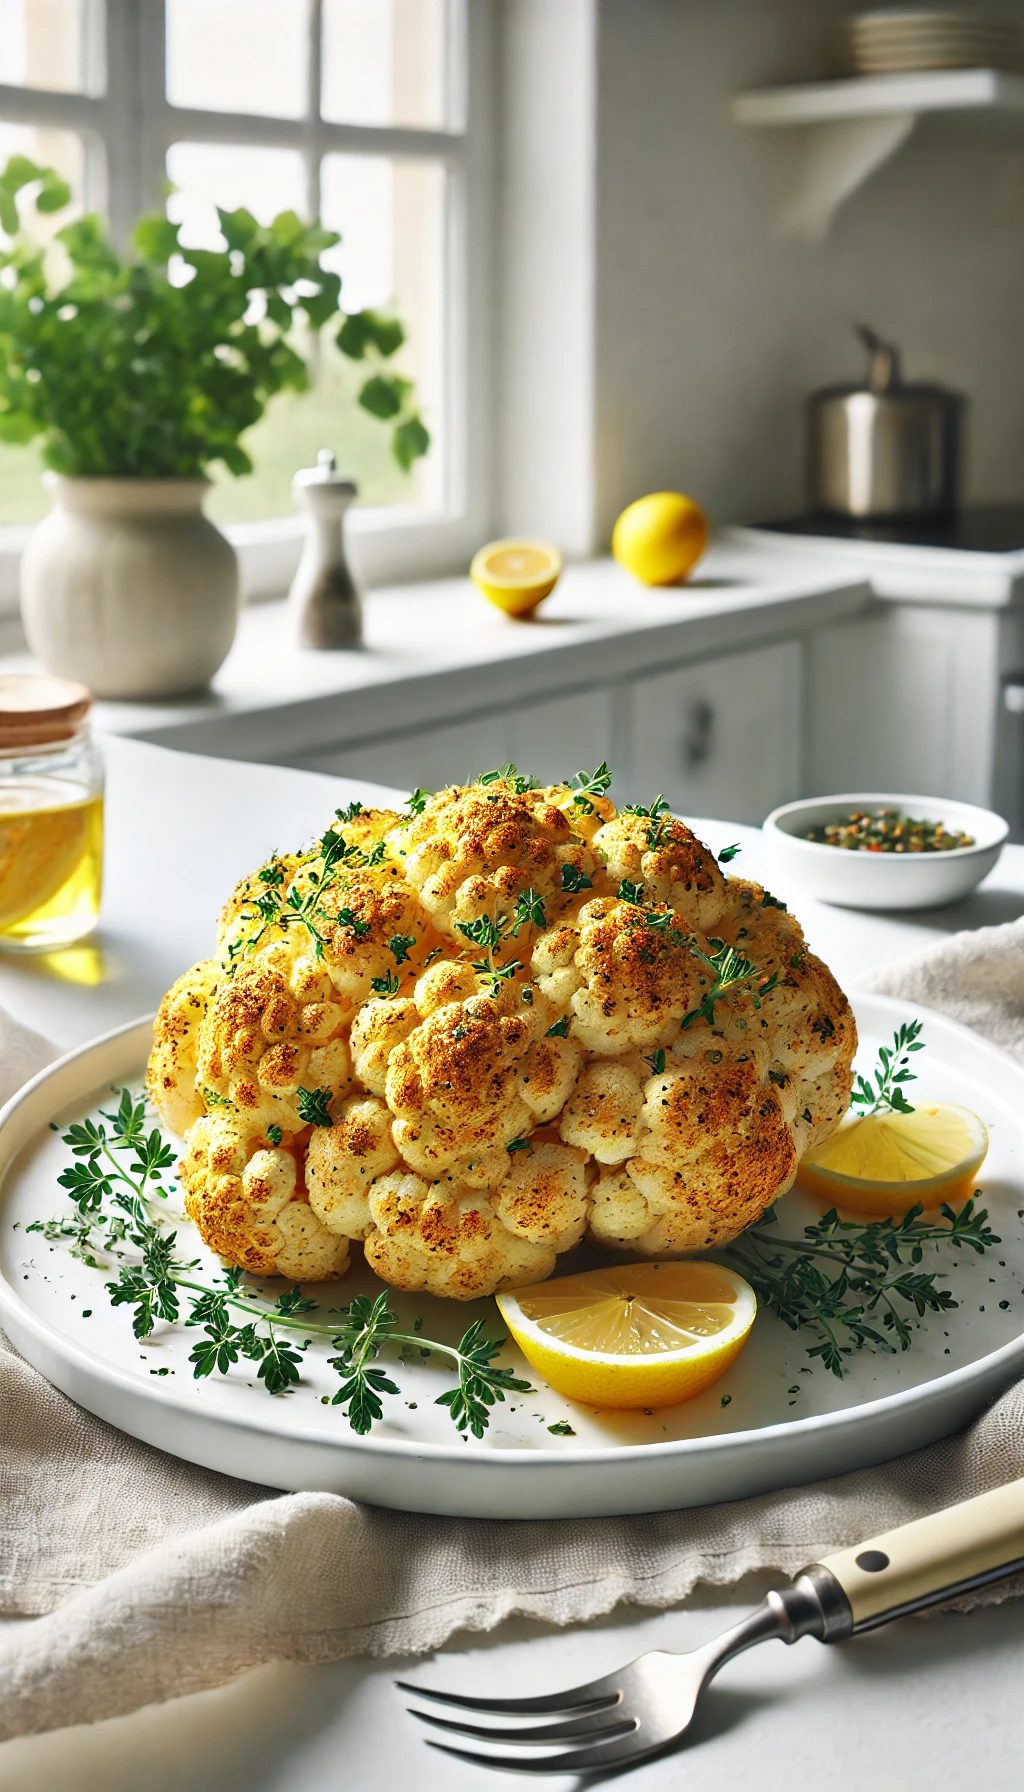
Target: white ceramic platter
x=781, y=1423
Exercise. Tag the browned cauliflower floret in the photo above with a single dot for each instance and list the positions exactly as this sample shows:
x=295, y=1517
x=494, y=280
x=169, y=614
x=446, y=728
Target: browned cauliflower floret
x=639, y=976
x=454, y=1090
x=343, y=1160
x=603, y=1112
x=544, y=1195
x=548, y=1073
x=468, y=1036
x=474, y=851
x=447, y=1238
x=259, y=1048
x=379, y=1026
x=716, y=1152
x=247, y=1201
x=668, y=862
x=171, y=1074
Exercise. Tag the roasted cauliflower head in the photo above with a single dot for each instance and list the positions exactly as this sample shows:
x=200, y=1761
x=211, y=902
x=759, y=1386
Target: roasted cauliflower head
x=469, y=1036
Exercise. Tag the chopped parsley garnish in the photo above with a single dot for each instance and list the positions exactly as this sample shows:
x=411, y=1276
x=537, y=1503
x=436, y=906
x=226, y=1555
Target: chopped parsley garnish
x=385, y=986
x=399, y=944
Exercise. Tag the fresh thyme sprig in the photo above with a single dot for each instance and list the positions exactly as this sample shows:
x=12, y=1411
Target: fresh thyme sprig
x=114, y=1184
x=657, y=813
x=886, y=1095
x=507, y=774
x=854, y=1284
x=371, y=1324
x=278, y=906
x=728, y=968
x=586, y=785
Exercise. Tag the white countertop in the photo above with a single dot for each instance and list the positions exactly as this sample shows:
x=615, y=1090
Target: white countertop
x=930, y=1703
x=435, y=649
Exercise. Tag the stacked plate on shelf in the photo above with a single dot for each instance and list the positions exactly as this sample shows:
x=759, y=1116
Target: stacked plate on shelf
x=902, y=40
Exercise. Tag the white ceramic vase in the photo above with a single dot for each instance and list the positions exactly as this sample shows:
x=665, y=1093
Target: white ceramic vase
x=128, y=587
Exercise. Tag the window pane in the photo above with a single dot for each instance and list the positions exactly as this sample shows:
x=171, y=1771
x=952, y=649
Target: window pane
x=238, y=55
x=206, y=175
x=384, y=62
x=45, y=43
x=391, y=215
x=391, y=219
x=22, y=499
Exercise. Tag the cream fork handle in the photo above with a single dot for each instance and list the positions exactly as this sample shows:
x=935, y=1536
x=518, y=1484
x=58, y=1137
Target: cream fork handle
x=928, y=1560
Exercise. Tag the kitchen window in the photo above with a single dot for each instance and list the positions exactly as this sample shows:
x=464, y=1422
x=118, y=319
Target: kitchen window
x=364, y=111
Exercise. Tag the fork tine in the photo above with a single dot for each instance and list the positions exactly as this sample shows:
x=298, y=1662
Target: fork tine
x=578, y=1760
x=566, y=1731
x=595, y=1695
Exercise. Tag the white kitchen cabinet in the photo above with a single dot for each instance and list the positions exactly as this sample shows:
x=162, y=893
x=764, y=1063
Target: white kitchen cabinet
x=550, y=739
x=719, y=737
x=904, y=699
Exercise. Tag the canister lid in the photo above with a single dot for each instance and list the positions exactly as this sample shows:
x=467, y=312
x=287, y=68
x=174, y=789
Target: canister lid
x=36, y=709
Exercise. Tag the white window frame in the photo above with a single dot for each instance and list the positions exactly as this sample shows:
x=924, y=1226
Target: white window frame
x=127, y=125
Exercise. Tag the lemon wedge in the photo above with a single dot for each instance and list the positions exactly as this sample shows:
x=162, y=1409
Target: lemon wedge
x=647, y=1334
x=516, y=575
x=883, y=1164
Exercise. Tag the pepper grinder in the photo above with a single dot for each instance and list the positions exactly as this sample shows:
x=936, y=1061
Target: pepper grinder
x=324, y=598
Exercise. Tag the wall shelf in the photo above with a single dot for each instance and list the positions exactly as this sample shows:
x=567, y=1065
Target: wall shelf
x=851, y=128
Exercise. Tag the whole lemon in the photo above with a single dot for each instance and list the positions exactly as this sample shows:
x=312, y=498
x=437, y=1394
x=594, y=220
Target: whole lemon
x=660, y=538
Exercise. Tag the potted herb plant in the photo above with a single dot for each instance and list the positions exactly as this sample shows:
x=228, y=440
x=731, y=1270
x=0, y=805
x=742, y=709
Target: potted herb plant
x=138, y=371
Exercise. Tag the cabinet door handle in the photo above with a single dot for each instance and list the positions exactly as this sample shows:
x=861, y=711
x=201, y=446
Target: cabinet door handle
x=699, y=735
x=1013, y=696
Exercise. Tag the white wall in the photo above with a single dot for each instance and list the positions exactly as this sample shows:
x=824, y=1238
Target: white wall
x=546, y=280
x=711, y=326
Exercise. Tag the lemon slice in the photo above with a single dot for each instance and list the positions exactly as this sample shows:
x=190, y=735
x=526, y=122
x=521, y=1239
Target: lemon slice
x=648, y=1334
x=39, y=850
x=516, y=575
x=885, y=1163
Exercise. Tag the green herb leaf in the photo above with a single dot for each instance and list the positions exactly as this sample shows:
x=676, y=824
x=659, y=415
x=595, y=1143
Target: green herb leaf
x=573, y=880
x=886, y=1095
x=728, y=853
x=314, y=1107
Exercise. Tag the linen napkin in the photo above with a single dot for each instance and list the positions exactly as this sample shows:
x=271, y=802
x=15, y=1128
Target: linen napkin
x=231, y=1576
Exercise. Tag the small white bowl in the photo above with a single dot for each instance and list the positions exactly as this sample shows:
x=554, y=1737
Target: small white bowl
x=884, y=880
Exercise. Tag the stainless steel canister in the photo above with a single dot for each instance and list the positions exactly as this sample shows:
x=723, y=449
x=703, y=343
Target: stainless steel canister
x=883, y=449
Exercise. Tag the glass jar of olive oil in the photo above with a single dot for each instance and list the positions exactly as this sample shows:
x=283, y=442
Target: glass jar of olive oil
x=51, y=814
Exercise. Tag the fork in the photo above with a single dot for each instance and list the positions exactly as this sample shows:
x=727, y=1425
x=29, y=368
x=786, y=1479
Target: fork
x=629, y=1715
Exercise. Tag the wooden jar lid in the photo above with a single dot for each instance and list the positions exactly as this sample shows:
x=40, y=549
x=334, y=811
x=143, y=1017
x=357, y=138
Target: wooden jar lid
x=36, y=710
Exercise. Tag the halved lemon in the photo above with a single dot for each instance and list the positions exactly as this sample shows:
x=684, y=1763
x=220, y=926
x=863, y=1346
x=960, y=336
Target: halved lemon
x=647, y=1334
x=516, y=575
x=883, y=1164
